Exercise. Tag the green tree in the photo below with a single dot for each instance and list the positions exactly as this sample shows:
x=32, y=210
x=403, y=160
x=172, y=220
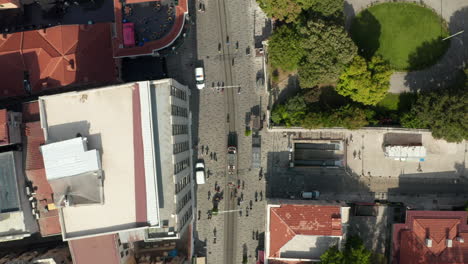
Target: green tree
x=332, y=256
x=324, y=7
x=285, y=10
x=364, y=81
x=354, y=253
x=291, y=113
x=445, y=112
x=328, y=48
x=284, y=48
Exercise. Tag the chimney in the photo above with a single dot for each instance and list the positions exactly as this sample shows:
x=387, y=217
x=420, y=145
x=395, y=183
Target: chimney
x=428, y=242
x=449, y=242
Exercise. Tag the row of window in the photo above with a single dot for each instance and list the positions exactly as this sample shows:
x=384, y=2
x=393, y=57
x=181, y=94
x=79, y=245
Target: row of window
x=179, y=129
x=179, y=111
x=182, y=183
x=186, y=217
x=178, y=93
x=181, y=165
x=182, y=202
x=180, y=147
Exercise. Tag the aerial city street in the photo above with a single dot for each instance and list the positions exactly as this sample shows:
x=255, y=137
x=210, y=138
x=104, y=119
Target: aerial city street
x=225, y=132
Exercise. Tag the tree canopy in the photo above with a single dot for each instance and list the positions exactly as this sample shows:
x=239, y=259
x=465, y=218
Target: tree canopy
x=445, y=112
x=289, y=10
x=364, y=81
x=284, y=48
x=291, y=113
x=354, y=252
x=328, y=48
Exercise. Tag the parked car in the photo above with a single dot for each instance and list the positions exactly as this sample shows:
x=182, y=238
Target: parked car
x=200, y=172
x=310, y=195
x=199, y=78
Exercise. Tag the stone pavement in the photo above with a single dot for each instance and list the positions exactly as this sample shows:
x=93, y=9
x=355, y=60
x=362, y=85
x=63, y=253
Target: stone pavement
x=444, y=72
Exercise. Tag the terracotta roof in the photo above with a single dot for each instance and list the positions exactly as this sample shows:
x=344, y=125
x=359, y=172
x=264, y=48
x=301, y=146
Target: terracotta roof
x=117, y=41
x=4, y=138
x=33, y=135
x=98, y=249
x=409, y=239
x=34, y=138
x=56, y=57
x=30, y=112
x=287, y=221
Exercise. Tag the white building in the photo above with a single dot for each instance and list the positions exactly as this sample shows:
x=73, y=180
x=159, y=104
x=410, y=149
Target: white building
x=133, y=142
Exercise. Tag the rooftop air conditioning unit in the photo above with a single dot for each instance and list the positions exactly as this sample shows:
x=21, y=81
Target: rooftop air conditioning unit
x=428, y=242
x=449, y=243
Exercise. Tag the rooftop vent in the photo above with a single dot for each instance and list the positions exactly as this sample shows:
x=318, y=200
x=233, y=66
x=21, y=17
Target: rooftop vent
x=449, y=243
x=428, y=242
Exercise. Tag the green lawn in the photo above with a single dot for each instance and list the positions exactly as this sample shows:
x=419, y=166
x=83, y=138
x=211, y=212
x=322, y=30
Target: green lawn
x=407, y=35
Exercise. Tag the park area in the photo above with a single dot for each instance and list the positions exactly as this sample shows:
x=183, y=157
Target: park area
x=408, y=35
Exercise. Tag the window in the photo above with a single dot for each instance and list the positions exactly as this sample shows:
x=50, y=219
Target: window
x=181, y=165
x=179, y=111
x=178, y=93
x=179, y=129
x=180, y=147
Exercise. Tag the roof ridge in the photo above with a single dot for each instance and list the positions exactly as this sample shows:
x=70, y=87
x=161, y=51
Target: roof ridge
x=284, y=222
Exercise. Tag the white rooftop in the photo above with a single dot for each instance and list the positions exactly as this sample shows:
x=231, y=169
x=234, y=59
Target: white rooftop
x=405, y=152
x=105, y=117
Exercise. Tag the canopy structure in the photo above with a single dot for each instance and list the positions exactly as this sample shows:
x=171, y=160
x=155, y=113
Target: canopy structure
x=403, y=153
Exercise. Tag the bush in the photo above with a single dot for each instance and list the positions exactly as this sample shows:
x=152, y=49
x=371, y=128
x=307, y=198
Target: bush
x=348, y=116
x=291, y=113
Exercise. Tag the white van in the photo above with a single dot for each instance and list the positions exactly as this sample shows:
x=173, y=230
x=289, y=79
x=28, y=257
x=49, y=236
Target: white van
x=310, y=195
x=200, y=173
x=199, y=78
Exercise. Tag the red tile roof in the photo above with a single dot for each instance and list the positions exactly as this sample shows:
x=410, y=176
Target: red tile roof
x=4, y=138
x=168, y=39
x=55, y=57
x=30, y=112
x=287, y=221
x=33, y=136
x=409, y=239
x=99, y=249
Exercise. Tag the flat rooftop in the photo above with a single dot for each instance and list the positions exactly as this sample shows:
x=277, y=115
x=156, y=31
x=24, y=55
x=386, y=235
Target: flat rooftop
x=10, y=201
x=106, y=118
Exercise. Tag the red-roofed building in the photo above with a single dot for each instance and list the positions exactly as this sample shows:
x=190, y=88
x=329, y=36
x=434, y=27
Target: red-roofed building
x=10, y=123
x=300, y=232
x=34, y=61
x=7, y=4
x=98, y=249
x=430, y=237
x=49, y=223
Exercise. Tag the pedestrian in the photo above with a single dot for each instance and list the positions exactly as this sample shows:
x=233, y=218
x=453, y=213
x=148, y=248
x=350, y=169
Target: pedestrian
x=202, y=149
x=256, y=196
x=209, y=195
x=214, y=156
x=261, y=195
x=211, y=155
x=207, y=149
